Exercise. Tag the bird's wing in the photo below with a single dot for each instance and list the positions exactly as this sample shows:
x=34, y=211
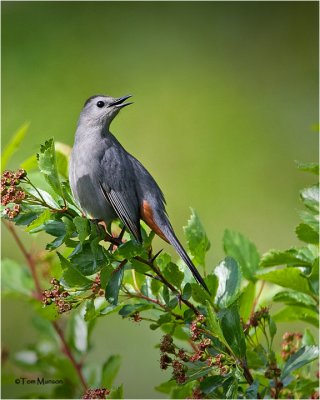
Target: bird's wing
x=118, y=185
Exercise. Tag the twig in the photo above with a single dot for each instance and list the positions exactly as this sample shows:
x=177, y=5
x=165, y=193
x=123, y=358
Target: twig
x=32, y=266
x=167, y=283
x=256, y=300
x=139, y=295
x=29, y=258
x=69, y=354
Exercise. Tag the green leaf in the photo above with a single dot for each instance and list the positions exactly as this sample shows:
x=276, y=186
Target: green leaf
x=110, y=370
x=45, y=329
x=48, y=166
x=90, y=259
x=252, y=391
x=211, y=383
x=292, y=257
x=63, y=152
x=295, y=313
x=308, y=339
x=214, y=325
x=229, y=276
x=256, y=358
x=83, y=227
x=130, y=309
x=198, y=242
x=173, y=274
x=15, y=278
x=187, y=291
x=39, y=221
x=232, y=329
x=72, y=277
x=212, y=282
x=314, y=277
x=294, y=298
x=272, y=327
x=297, y=360
x=308, y=167
x=163, y=260
x=231, y=388
x=165, y=294
x=246, y=300
x=41, y=195
x=105, y=274
x=113, y=286
x=291, y=278
x=28, y=214
x=310, y=198
x=199, y=294
x=182, y=391
x=116, y=393
x=307, y=234
x=310, y=219
x=13, y=145
x=90, y=313
x=166, y=387
x=194, y=372
x=243, y=251
x=128, y=250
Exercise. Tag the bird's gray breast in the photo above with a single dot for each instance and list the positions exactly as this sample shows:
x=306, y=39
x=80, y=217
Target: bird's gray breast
x=84, y=174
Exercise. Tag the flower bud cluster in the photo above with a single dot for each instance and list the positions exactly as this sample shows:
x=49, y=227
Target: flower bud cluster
x=58, y=295
x=11, y=192
x=272, y=371
x=255, y=319
x=96, y=287
x=290, y=344
x=178, y=368
x=136, y=317
x=196, y=393
x=96, y=394
x=195, y=327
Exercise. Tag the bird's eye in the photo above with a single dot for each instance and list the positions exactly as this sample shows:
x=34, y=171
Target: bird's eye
x=100, y=104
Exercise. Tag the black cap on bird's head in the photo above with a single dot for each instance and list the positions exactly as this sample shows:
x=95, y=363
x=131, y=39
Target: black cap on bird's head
x=100, y=109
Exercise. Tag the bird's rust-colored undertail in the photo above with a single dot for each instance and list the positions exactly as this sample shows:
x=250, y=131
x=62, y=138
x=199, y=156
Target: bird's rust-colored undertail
x=147, y=217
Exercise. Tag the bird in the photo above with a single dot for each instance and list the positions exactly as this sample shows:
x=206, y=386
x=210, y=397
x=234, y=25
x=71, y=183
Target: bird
x=108, y=183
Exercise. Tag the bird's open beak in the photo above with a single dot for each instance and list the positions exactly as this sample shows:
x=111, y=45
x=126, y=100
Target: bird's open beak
x=119, y=102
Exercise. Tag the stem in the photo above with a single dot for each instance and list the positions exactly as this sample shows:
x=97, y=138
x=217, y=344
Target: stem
x=29, y=258
x=67, y=352
x=139, y=295
x=256, y=300
x=32, y=266
x=167, y=283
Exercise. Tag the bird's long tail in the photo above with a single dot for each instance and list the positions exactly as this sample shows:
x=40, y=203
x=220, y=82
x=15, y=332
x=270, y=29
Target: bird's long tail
x=174, y=241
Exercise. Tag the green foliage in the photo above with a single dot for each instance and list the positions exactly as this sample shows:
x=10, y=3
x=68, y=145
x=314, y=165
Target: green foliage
x=232, y=352
x=245, y=252
x=13, y=145
x=197, y=239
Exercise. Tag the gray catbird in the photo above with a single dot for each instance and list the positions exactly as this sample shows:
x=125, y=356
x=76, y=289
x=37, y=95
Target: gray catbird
x=108, y=182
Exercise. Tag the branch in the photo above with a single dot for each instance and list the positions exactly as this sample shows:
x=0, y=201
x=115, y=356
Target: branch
x=29, y=258
x=150, y=263
x=256, y=300
x=68, y=353
x=32, y=266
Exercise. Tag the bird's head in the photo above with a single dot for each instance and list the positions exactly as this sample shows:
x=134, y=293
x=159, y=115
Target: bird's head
x=100, y=110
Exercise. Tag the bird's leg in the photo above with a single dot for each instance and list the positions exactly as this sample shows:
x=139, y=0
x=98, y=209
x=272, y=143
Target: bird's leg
x=122, y=233
x=118, y=239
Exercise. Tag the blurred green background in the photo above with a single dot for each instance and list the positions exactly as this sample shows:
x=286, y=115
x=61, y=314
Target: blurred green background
x=226, y=98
